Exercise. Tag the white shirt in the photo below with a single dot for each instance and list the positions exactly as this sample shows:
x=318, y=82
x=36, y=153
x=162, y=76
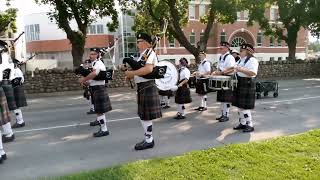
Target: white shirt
x=98, y=66
x=18, y=74
x=152, y=59
x=184, y=73
x=204, y=67
x=227, y=63
x=251, y=65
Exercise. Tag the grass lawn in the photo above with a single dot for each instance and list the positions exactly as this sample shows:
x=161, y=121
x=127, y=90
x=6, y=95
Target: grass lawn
x=291, y=157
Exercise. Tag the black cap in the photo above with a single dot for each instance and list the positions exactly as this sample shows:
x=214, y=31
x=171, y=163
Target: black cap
x=248, y=47
x=87, y=61
x=145, y=37
x=224, y=43
x=95, y=49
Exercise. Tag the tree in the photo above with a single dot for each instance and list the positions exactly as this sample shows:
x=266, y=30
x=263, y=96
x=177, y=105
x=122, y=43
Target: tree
x=84, y=12
x=292, y=16
x=6, y=17
x=151, y=15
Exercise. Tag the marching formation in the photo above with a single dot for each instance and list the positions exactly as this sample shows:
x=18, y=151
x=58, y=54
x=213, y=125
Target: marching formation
x=233, y=79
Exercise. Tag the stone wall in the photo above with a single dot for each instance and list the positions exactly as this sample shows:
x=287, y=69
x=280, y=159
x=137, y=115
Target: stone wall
x=57, y=80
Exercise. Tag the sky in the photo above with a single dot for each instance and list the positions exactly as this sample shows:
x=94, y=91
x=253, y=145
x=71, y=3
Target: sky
x=26, y=7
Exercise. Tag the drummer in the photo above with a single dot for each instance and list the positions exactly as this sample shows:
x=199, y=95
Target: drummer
x=244, y=94
x=204, y=69
x=226, y=61
x=235, y=54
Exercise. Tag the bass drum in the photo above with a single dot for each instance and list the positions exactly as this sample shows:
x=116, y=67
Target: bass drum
x=170, y=78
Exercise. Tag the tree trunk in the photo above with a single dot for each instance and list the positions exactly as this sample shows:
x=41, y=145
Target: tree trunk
x=292, y=50
x=77, y=54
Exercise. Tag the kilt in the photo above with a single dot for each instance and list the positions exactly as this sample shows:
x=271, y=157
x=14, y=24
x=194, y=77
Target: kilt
x=202, y=86
x=8, y=90
x=148, y=101
x=244, y=95
x=225, y=96
x=168, y=93
x=183, y=95
x=5, y=114
x=20, y=96
x=101, y=99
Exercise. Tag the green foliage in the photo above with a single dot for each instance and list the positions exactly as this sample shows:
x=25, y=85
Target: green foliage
x=293, y=15
x=291, y=157
x=151, y=14
x=315, y=47
x=6, y=17
x=84, y=12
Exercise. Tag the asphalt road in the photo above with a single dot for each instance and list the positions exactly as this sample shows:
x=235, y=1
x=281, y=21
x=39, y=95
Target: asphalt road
x=57, y=139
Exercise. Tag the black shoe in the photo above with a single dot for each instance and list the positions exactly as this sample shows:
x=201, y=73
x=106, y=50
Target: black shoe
x=143, y=145
x=91, y=112
x=203, y=109
x=219, y=117
x=179, y=116
x=224, y=119
x=1, y=159
x=166, y=107
x=16, y=125
x=248, y=129
x=6, y=139
x=239, y=127
x=198, y=109
x=94, y=123
x=101, y=133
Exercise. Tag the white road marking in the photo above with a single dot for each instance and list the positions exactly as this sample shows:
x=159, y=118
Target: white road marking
x=125, y=119
x=71, y=125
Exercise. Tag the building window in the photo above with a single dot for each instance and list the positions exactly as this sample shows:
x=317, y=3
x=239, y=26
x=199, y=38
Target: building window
x=271, y=58
x=237, y=42
x=279, y=58
x=201, y=36
x=202, y=10
x=171, y=42
x=273, y=14
x=192, y=38
x=223, y=37
x=100, y=29
x=279, y=42
x=192, y=12
x=259, y=39
x=245, y=15
x=32, y=32
x=92, y=29
x=271, y=41
x=238, y=15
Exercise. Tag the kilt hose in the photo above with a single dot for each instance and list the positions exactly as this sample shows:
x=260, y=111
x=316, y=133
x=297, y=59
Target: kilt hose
x=101, y=99
x=183, y=95
x=202, y=86
x=20, y=96
x=8, y=90
x=148, y=101
x=168, y=93
x=5, y=114
x=244, y=95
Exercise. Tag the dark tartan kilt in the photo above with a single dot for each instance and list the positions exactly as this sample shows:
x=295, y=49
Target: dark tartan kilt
x=202, y=86
x=8, y=90
x=148, y=101
x=168, y=93
x=183, y=95
x=5, y=114
x=225, y=96
x=244, y=95
x=101, y=99
x=20, y=96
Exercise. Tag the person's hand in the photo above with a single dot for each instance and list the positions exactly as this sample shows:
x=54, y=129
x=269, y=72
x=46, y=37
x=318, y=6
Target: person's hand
x=82, y=81
x=129, y=74
x=238, y=69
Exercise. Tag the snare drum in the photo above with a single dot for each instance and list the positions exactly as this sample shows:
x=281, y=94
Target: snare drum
x=220, y=83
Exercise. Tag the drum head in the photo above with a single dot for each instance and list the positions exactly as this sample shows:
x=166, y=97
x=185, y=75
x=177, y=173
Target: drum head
x=170, y=78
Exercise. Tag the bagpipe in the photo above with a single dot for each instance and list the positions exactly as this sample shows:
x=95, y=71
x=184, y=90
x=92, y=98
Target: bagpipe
x=103, y=75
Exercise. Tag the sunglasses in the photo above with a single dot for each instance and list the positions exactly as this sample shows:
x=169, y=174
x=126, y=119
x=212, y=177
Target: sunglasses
x=139, y=41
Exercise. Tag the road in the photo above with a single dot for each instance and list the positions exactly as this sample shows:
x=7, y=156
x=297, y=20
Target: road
x=57, y=139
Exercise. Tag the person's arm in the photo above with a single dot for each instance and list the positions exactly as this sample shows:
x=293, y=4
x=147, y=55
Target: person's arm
x=245, y=71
